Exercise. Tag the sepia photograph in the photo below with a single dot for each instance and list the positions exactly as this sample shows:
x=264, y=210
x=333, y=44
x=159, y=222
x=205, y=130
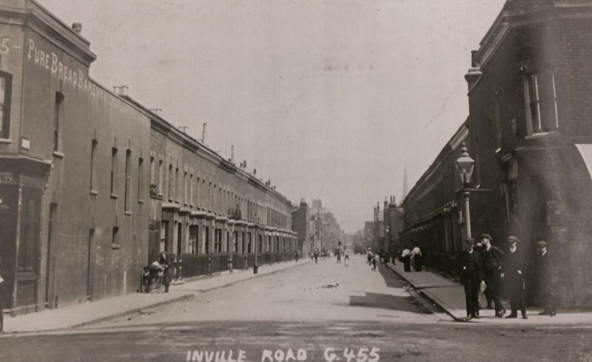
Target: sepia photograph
x=295, y=180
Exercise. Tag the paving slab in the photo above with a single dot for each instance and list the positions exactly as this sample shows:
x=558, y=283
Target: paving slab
x=93, y=312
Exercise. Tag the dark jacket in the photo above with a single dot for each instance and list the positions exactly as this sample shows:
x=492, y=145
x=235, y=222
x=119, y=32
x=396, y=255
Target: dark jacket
x=493, y=257
x=463, y=264
x=513, y=262
x=547, y=270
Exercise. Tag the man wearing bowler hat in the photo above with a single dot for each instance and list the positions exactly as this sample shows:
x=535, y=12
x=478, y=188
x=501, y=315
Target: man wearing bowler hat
x=513, y=271
x=547, y=279
x=470, y=264
x=492, y=264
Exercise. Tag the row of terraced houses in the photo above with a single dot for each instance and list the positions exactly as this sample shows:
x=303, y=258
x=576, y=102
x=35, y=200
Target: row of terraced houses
x=529, y=130
x=93, y=185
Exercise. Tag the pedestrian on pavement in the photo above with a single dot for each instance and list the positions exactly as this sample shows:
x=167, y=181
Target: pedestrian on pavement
x=297, y=254
x=316, y=256
x=547, y=278
x=338, y=257
x=513, y=271
x=406, y=259
x=164, y=264
x=346, y=259
x=370, y=256
x=492, y=263
x=375, y=261
x=470, y=264
x=416, y=256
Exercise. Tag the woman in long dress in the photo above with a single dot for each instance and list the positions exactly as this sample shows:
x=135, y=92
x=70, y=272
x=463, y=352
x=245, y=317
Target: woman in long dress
x=164, y=263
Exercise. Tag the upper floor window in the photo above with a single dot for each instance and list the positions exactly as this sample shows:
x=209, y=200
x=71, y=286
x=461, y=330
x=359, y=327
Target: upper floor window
x=5, y=93
x=59, y=100
x=541, y=103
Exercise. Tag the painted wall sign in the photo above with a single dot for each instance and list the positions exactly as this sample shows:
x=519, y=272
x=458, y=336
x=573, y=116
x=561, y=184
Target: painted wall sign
x=76, y=78
x=7, y=178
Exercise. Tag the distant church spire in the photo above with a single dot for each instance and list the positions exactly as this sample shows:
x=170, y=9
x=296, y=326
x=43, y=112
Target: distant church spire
x=405, y=185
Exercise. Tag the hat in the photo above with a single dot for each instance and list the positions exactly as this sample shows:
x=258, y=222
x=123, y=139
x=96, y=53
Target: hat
x=512, y=239
x=542, y=244
x=486, y=236
x=470, y=241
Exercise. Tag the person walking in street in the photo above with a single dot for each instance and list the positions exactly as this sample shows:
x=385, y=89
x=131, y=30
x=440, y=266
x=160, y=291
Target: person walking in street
x=470, y=265
x=346, y=259
x=513, y=271
x=296, y=254
x=375, y=261
x=547, y=279
x=492, y=263
x=416, y=256
x=406, y=255
x=369, y=256
x=164, y=264
x=316, y=256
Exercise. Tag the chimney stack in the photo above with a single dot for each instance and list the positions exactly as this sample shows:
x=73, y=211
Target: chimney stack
x=77, y=27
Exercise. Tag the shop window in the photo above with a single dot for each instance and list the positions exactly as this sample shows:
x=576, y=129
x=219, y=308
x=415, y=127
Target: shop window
x=5, y=97
x=541, y=103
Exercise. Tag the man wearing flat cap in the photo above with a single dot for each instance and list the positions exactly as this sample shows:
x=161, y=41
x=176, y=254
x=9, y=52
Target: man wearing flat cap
x=513, y=271
x=492, y=264
x=547, y=279
x=470, y=265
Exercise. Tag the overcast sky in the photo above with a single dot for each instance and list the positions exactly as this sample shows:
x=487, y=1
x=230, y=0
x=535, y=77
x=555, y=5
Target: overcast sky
x=329, y=99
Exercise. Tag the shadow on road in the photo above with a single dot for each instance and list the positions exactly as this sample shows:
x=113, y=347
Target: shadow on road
x=389, y=302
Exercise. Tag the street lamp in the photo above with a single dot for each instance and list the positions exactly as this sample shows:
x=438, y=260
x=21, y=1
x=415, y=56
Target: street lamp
x=465, y=165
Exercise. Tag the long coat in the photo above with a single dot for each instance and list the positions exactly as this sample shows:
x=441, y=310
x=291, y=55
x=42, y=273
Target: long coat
x=547, y=276
x=514, y=262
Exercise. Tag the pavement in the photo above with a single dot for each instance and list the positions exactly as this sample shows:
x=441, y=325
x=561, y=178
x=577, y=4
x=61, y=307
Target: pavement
x=83, y=314
x=449, y=295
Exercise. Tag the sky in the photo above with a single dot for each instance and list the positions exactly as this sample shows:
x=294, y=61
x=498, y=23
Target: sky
x=329, y=99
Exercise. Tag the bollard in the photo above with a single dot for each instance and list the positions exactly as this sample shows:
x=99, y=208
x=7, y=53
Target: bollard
x=209, y=266
x=255, y=269
x=229, y=265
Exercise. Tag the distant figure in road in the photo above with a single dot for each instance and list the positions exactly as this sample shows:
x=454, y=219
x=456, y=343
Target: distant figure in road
x=316, y=256
x=338, y=257
x=406, y=255
x=416, y=256
x=470, y=265
x=513, y=271
x=296, y=254
x=164, y=264
x=346, y=259
x=547, y=273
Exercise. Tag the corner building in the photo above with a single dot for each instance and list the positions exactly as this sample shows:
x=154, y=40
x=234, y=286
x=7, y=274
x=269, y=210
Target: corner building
x=93, y=186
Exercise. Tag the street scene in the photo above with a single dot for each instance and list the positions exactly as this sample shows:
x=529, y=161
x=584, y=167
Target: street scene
x=295, y=180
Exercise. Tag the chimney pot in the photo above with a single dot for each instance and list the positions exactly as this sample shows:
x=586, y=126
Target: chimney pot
x=77, y=27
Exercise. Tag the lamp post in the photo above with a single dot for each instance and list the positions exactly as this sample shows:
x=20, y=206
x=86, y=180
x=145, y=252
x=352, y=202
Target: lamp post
x=465, y=165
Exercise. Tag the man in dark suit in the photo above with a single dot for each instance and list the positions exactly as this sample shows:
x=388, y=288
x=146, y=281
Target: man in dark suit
x=513, y=271
x=492, y=264
x=547, y=279
x=470, y=264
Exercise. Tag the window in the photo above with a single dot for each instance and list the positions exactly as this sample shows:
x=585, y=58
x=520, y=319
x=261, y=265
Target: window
x=115, y=238
x=113, y=169
x=160, y=176
x=185, y=188
x=5, y=95
x=193, y=233
x=207, y=240
x=127, y=184
x=191, y=190
x=59, y=100
x=93, y=148
x=140, y=179
x=541, y=103
x=176, y=189
x=217, y=240
x=170, y=191
x=235, y=242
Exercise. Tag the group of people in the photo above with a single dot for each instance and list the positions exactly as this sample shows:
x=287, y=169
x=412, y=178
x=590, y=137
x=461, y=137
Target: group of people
x=412, y=259
x=483, y=267
x=163, y=266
